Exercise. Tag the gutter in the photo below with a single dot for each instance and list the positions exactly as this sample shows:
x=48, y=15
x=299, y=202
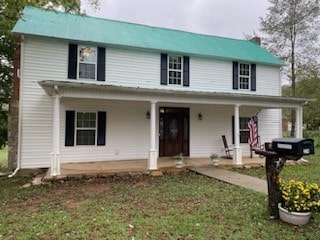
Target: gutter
x=20, y=110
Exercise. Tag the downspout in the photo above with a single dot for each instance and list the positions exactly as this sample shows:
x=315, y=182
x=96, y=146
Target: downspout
x=20, y=109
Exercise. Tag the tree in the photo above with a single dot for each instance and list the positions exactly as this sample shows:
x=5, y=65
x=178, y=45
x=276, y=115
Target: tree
x=10, y=11
x=308, y=86
x=292, y=29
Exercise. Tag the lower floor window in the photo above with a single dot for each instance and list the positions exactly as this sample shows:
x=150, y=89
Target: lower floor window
x=85, y=128
x=244, y=130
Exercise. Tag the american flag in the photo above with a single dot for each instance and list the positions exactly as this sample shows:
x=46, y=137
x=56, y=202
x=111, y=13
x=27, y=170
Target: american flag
x=253, y=129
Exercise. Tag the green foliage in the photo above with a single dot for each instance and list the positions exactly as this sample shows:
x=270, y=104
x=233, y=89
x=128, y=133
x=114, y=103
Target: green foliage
x=291, y=28
x=308, y=86
x=3, y=127
x=315, y=135
x=3, y=159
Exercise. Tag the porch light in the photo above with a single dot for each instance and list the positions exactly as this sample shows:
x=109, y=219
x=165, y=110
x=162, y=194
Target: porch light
x=148, y=115
x=200, y=116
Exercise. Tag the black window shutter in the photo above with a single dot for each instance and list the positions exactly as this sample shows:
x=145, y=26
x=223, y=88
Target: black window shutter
x=186, y=71
x=101, y=67
x=101, y=136
x=253, y=77
x=70, y=120
x=164, y=69
x=72, y=61
x=235, y=75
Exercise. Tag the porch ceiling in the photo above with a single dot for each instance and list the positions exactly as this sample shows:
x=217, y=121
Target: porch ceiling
x=97, y=90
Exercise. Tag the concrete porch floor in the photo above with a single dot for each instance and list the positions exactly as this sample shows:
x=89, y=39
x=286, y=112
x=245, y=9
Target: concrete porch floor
x=71, y=170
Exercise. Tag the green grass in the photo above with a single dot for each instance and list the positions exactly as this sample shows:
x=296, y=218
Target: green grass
x=4, y=157
x=309, y=172
x=176, y=206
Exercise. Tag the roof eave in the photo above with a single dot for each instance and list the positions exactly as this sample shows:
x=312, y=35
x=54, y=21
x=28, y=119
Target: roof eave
x=48, y=85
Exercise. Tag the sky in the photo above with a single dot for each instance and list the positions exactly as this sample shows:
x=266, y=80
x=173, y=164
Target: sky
x=226, y=18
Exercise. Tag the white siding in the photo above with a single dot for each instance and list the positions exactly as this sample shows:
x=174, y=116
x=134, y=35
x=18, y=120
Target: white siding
x=127, y=131
x=205, y=135
x=127, y=127
x=43, y=60
x=142, y=69
x=270, y=124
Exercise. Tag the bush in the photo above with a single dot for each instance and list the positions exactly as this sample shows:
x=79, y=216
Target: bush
x=315, y=135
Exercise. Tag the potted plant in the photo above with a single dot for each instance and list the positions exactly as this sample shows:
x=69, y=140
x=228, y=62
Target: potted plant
x=214, y=159
x=178, y=160
x=299, y=200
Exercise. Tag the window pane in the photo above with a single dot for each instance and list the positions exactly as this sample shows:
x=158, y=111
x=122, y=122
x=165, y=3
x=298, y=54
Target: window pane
x=86, y=137
x=87, y=71
x=86, y=120
x=87, y=54
x=244, y=136
x=244, y=83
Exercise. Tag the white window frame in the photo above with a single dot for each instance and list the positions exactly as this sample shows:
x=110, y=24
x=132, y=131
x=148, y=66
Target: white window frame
x=175, y=70
x=86, y=128
x=78, y=63
x=244, y=76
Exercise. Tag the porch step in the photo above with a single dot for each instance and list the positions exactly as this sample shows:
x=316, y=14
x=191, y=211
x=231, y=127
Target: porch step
x=234, y=178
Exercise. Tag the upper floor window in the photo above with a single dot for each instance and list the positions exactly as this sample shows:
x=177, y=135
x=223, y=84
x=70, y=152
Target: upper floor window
x=87, y=62
x=175, y=70
x=244, y=76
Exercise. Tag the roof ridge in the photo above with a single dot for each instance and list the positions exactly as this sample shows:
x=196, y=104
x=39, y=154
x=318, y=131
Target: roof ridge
x=136, y=24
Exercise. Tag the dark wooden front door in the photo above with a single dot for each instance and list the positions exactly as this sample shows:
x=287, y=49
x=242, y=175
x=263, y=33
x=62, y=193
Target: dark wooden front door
x=174, y=132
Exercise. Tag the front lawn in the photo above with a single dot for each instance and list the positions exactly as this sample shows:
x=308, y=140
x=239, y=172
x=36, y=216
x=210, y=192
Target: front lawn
x=174, y=206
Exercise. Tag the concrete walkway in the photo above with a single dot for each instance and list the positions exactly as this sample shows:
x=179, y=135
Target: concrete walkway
x=235, y=178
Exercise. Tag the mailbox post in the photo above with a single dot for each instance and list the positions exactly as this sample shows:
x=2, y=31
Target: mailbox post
x=276, y=154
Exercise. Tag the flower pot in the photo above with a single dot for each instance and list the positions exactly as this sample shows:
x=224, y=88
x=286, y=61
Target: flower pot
x=295, y=218
x=178, y=164
x=215, y=161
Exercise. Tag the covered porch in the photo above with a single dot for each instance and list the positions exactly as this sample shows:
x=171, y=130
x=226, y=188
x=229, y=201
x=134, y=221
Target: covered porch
x=156, y=98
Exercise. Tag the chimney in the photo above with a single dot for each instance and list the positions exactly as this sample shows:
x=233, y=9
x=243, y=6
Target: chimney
x=257, y=40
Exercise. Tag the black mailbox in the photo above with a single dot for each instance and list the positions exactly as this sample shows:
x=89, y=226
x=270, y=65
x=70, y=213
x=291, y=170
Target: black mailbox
x=293, y=147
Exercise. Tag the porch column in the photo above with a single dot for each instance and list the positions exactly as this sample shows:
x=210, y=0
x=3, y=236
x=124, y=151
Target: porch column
x=55, y=155
x=152, y=162
x=299, y=122
x=237, y=150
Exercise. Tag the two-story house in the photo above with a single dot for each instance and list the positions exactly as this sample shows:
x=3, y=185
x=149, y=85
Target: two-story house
x=101, y=90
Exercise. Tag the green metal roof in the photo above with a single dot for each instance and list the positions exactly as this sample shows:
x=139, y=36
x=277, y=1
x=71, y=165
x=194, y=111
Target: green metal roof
x=73, y=27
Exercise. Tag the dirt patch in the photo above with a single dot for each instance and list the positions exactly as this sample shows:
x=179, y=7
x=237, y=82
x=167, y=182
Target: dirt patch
x=71, y=204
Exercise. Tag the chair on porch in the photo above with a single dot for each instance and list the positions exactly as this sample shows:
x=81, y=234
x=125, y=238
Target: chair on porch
x=227, y=148
x=259, y=146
